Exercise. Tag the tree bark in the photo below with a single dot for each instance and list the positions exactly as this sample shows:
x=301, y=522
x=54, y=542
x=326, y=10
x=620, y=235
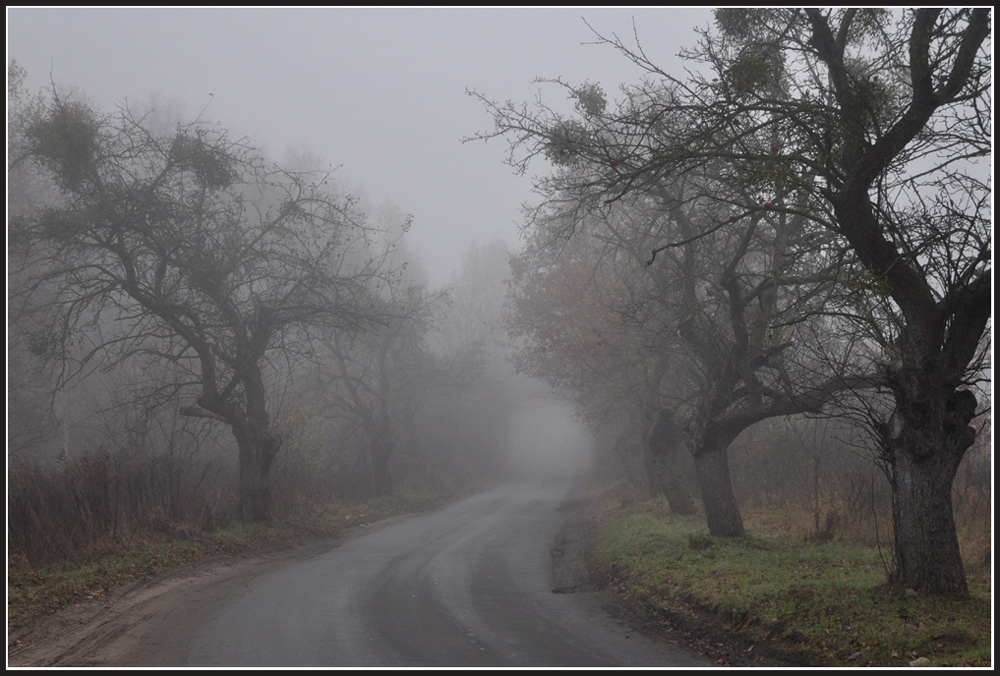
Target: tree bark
x=925, y=441
x=663, y=442
x=711, y=462
x=257, y=451
x=255, y=494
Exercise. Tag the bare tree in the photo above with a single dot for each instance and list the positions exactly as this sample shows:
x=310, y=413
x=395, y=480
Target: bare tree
x=727, y=286
x=32, y=427
x=191, y=250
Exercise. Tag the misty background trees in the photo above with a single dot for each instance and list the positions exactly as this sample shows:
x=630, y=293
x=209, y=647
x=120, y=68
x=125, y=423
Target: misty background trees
x=199, y=334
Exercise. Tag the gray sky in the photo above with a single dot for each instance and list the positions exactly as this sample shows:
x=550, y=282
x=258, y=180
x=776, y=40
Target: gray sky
x=379, y=92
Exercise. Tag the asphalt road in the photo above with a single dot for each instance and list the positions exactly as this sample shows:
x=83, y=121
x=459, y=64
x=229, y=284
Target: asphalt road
x=467, y=586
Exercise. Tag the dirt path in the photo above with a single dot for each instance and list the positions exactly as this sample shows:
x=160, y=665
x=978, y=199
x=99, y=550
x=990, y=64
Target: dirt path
x=140, y=625
x=127, y=628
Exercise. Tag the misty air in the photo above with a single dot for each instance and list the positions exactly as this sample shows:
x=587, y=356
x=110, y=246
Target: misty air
x=499, y=337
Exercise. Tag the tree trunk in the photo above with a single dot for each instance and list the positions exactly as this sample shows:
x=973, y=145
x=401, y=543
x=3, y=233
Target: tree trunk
x=255, y=494
x=925, y=442
x=664, y=480
x=257, y=451
x=381, y=479
x=257, y=448
x=711, y=462
x=663, y=442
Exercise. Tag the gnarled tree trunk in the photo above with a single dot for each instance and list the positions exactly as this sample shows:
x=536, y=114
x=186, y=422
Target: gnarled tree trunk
x=925, y=441
x=257, y=450
x=711, y=463
x=663, y=443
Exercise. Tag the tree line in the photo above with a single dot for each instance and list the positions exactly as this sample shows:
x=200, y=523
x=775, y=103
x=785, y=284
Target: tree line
x=177, y=297
x=799, y=225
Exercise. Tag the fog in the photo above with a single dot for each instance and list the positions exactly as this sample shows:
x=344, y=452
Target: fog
x=281, y=262
x=382, y=96
x=378, y=93
x=547, y=440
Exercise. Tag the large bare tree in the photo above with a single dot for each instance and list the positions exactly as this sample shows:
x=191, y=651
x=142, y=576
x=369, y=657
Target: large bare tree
x=191, y=249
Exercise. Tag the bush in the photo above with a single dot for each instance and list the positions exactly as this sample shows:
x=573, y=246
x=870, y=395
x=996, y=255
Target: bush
x=69, y=511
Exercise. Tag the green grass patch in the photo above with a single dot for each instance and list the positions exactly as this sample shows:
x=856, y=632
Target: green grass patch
x=827, y=601
x=32, y=593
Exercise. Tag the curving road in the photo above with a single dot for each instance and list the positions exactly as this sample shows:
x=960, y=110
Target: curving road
x=469, y=585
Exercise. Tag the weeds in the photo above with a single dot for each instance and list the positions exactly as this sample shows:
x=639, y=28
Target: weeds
x=825, y=600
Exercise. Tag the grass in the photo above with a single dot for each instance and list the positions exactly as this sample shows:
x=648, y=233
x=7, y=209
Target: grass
x=827, y=602
x=34, y=593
